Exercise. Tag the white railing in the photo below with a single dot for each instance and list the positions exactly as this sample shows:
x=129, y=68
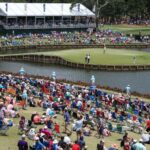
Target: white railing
x=49, y=26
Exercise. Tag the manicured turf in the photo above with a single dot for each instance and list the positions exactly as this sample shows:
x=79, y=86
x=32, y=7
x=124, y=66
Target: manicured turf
x=129, y=29
x=111, y=57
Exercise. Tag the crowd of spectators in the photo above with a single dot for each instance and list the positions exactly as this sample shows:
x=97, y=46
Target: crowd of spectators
x=86, y=111
x=129, y=21
x=55, y=37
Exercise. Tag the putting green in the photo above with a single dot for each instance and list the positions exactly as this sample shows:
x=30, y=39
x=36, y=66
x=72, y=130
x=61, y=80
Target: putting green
x=111, y=56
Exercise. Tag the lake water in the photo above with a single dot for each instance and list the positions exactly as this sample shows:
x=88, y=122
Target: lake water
x=139, y=81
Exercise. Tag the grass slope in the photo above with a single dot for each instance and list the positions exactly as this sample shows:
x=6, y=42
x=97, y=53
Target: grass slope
x=129, y=29
x=10, y=142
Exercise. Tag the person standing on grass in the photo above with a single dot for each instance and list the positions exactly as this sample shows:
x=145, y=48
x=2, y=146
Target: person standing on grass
x=128, y=90
x=24, y=99
x=66, y=119
x=88, y=58
x=104, y=51
x=22, y=144
x=134, y=60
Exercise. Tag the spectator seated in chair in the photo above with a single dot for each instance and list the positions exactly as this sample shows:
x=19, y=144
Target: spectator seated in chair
x=57, y=128
x=46, y=131
x=106, y=132
x=146, y=137
x=37, y=119
x=3, y=127
x=46, y=104
x=87, y=130
x=50, y=112
x=22, y=125
x=32, y=134
x=31, y=102
x=49, y=122
x=114, y=116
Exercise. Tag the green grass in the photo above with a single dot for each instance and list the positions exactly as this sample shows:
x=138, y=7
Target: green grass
x=111, y=57
x=129, y=29
x=10, y=142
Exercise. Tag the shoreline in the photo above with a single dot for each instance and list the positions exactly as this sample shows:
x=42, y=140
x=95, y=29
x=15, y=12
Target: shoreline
x=80, y=83
x=61, y=61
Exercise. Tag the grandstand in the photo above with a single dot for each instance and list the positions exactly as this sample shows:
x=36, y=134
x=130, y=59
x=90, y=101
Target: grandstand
x=45, y=16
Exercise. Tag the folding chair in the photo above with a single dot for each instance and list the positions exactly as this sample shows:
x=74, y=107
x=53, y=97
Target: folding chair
x=119, y=128
x=110, y=127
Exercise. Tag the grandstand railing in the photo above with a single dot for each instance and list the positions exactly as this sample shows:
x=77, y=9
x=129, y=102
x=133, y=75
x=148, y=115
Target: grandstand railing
x=50, y=26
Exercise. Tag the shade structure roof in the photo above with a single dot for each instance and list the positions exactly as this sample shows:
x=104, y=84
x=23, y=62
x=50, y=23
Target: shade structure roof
x=43, y=9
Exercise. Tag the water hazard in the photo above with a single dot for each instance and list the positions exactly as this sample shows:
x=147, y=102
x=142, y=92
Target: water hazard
x=139, y=81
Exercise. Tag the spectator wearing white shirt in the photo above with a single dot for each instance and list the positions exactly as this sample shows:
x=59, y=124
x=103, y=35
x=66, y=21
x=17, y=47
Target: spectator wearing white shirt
x=67, y=139
x=146, y=138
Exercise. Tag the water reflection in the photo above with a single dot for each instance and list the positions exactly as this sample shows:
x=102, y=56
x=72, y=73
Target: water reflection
x=139, y=81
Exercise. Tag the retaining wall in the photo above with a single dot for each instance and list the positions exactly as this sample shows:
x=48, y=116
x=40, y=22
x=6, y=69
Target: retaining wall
x=60, y=61
x=36, y=48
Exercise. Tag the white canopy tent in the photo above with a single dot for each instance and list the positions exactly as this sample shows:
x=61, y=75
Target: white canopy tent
x=44, y=9
x=44, y=15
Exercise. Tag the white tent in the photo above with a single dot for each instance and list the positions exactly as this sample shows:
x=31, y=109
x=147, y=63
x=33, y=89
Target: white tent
x=43, y=9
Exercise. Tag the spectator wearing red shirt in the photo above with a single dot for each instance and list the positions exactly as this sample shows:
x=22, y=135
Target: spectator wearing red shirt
x=126, y=145
x=75, y=146
x=134, y=118
x=148, y=125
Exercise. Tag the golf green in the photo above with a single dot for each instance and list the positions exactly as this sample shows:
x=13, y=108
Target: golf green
x=97, y=56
